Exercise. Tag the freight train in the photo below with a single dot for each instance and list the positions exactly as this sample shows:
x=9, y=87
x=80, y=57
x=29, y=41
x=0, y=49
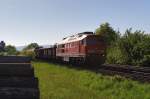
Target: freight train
x=81, y=48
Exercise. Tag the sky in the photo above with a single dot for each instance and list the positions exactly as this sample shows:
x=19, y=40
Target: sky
x=48, y=21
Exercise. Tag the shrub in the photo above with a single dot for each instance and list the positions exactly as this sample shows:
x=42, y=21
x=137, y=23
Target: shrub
x=133, y=48
x=28, y=53
x=115, y=56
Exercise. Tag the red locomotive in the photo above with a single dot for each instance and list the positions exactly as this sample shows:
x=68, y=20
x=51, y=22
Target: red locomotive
x=81, y=48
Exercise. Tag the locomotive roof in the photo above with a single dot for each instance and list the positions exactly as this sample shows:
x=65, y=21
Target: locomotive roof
x=74, y=38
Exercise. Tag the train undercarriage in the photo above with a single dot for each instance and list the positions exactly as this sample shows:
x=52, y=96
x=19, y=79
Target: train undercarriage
x=83, y=60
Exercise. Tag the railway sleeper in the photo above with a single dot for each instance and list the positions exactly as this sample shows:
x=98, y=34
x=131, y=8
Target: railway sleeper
x=15, y=65
x=19, y=72
x=141, y=73
x=128, y=67
x=110, y=72
x=18, y=93
x=23, y=82
x=137, y=68
x=115, y=68
x=126, y=70
x=127, y=75
x=15, y=59
x=116, y=71
x=140, y=78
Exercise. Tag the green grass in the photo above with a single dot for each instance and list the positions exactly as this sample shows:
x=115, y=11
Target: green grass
x=60, y=82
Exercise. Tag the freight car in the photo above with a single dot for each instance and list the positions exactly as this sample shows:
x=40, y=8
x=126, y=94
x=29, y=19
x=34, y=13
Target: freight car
x=81, y=48
x=45, y=53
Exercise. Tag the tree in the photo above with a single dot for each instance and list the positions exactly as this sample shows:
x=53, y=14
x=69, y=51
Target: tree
x=107, y=32
x=10, y=50
x=132, y=49
x=31, y=46
x=29, y=50
x=135, y=45
x=2, y=46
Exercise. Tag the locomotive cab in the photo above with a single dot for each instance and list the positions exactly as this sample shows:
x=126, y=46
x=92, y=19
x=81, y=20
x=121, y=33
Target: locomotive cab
x=94, y=49
x=94, y=45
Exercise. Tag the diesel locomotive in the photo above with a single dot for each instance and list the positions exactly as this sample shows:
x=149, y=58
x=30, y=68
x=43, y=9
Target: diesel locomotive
x=81, y=48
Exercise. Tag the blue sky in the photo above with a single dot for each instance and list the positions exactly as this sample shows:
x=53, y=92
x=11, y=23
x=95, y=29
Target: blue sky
x=48, y=21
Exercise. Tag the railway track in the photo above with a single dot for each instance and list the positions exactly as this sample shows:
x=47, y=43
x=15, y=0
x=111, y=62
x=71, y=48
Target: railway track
x=141, y=74
x=17, y=80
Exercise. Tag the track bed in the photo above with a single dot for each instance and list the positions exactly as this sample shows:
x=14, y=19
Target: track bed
x=137, y=73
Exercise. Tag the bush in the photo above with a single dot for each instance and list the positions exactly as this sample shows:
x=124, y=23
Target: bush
x=115, y=56
x=145, y=61
x=133, y=48
x=28, y=53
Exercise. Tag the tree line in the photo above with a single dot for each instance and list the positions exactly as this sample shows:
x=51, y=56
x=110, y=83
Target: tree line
x=131, y=48
x=11, y=50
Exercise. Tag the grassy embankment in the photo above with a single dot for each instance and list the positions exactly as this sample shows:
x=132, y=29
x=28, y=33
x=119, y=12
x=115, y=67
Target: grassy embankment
x=60, y=82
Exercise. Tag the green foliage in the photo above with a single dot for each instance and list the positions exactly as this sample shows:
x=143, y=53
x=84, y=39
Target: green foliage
x=29, y=50
x=1, y=53
x=132, y=48
x=145, y=61
x=135, y=46
x=31, y=46
x=28, y=53
x=10, y=50
x=115, y=56
x=107, y=32
x=7, y=50
x=60, y=82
